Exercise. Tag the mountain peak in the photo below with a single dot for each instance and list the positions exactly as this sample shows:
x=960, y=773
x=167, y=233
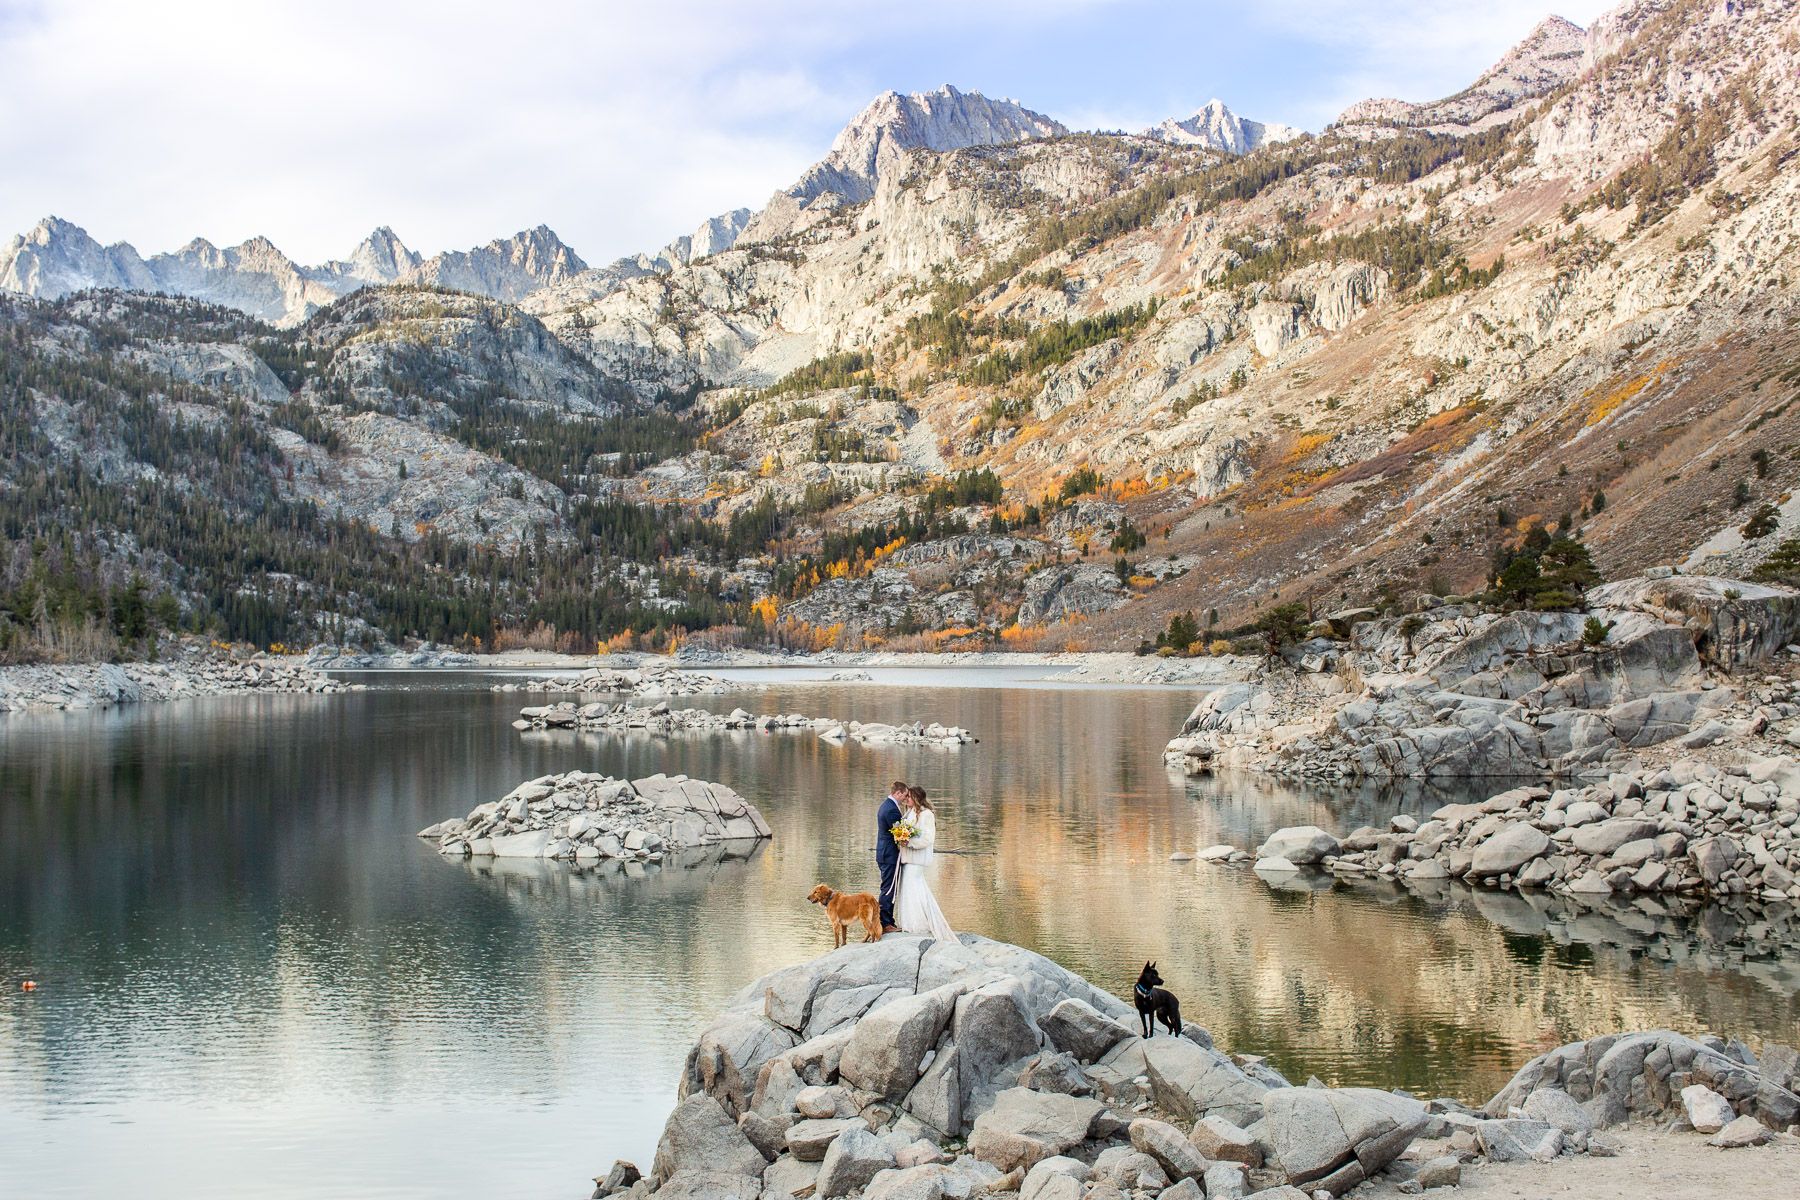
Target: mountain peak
x=1215, y=127
x=1552, y=54
x=506, y=268
x=893, y=123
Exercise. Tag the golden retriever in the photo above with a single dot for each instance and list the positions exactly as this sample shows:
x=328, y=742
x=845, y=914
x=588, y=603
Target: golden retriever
x=845, y=907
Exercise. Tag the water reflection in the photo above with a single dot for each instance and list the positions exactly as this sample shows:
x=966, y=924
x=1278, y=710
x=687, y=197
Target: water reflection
x=243, y=947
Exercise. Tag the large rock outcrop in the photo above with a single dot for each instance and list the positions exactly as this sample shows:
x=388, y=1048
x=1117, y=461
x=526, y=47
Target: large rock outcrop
x=1458, y=692
x=860, y=1072
x=1642, y=1076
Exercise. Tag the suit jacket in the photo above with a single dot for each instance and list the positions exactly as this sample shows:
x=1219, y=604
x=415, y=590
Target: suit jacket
x=887, y=850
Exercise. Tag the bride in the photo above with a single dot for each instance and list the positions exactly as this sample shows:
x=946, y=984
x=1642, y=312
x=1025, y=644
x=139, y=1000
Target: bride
x=915, y=908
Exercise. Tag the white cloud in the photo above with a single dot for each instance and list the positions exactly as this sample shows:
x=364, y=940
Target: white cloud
x=1411, y=49
x=620, y=124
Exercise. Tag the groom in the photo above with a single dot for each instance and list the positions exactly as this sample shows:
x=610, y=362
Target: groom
x=887, y=854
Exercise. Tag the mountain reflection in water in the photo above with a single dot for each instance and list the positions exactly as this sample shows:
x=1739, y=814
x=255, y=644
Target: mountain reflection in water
x=246, y=954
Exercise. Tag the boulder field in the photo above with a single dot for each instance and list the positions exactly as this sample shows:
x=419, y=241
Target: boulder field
x=587, y=818
x=1453, y=691
x=659, y=718
x=1691, y=829
x=910, y=1069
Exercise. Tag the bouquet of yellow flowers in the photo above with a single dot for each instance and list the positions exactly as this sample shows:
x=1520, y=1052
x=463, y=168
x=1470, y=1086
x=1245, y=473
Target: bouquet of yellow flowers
x=903, y=831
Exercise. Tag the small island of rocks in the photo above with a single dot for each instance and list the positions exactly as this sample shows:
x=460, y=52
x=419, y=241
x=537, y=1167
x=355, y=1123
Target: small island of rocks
x=660, y=719
x=653, y=679
x=587, y=818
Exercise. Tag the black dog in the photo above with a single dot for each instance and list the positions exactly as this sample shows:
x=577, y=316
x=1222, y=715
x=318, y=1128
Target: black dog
x=1154, y=1004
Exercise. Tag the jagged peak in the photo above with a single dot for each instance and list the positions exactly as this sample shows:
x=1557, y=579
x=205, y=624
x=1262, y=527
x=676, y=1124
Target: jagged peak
x=1215, y=126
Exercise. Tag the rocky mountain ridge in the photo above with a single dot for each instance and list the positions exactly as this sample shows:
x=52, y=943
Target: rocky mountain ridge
x=1072, y=385
x=56, y=258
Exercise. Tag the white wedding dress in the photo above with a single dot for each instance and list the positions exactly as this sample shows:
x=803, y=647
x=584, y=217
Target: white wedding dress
x=915, y=908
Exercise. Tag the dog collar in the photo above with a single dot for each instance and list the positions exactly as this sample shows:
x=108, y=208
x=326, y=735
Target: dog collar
x=1141, y=990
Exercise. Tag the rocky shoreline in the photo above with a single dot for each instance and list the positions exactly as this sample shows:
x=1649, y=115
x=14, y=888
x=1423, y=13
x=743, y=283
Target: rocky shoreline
x=182, y=676
x=587, y=818
x=1678, y=663
x=909, y=1069
x=662, y=720
x=1689, y=828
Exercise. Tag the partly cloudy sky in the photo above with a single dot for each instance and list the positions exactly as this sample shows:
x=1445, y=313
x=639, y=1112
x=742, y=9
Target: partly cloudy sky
x=620, y=125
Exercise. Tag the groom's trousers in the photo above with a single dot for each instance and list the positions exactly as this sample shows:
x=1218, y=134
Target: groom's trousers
x=890, y=881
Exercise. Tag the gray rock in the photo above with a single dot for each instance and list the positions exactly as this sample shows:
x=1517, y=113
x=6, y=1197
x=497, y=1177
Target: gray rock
x=1186, y=1189
x=888, y=1044
x=1078, y=1028
x=1025, y=1127
x=1301, y=845
x=1556, y=1107
x=856, y=1156
x=1744, y=1131
x=1054, y=1072
x=1221, y=1141
x=1443, y=1171
x=1192, y=1082
x=622, y=1175
x=1606, y=836
x=700, y=1131
x=767, y=1131
x=1055, y=1178
x=1508, y=850
x=918, y=1154
x=1707, y=1111
x=788, y=1176
x=1334, y=1138
x=992, y=1029
x=809, y=1141
x=709, y=1185
x=937, y=1098
x=730, y=1055
x=1226, y=1181
x=1130, y=1169
x=1172, y=1151
x=822, y=1103
x=1519, y=1140
x=1715, y=856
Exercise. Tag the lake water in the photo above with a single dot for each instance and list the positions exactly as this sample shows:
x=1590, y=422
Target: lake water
x=256, y=981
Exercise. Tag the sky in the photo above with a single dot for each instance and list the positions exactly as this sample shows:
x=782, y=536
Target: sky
x=620, y=125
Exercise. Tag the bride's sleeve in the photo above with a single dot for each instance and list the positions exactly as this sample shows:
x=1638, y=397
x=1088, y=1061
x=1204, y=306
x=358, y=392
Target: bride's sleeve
x=928, y=832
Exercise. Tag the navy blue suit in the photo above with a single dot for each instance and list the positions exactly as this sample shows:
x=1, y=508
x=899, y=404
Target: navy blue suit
x=887, y=856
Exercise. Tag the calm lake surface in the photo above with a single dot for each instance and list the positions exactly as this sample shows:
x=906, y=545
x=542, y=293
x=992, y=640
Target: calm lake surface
x=256, y=981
